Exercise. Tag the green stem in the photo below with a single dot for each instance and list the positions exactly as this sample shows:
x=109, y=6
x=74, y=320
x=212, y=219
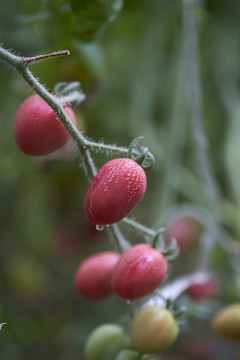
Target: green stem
x=10, y=59
x=144, y=229
x=120, y=241
x=87, y=169
x=91, y=165
x=106, y=147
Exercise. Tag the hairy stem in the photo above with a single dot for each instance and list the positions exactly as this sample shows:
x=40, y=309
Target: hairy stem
x=138, y=226
x=120, y=241
x=33, y=59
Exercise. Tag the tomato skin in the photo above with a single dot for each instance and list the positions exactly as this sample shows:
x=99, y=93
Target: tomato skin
x=226, y=322
x=153, y=329
x=93, y=277
x=37, y=129
x=116, y=189
x=140, y=270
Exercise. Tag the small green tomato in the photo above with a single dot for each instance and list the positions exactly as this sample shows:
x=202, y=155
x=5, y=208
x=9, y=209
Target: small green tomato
x=105, y=342
x=227, y=322
x=153, y=329
x=128, y=355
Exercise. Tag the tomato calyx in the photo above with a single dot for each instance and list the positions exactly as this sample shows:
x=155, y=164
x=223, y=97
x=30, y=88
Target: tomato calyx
x=69, y=92
x=141, y=154
x=167, y=246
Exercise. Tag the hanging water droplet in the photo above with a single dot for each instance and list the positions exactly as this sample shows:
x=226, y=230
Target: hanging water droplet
x=100, y=227
x=129, y=302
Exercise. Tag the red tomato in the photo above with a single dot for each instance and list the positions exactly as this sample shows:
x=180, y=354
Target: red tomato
x=140, y=270
x=93, y=277
x=184, y=231
x=37, y=129
x=207, y=290
x=116, y=189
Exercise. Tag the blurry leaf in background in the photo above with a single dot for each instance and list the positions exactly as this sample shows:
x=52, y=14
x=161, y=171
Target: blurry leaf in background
x=232, y=152
x=92, y=16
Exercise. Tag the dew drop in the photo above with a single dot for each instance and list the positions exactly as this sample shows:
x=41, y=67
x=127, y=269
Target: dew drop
x=100, y=227
x=129, y=302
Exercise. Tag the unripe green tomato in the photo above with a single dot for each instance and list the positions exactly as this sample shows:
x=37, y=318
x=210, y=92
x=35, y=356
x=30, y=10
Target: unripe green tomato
x=227, y=322
x=105, y=342
x=153, y=329
x=128, y=355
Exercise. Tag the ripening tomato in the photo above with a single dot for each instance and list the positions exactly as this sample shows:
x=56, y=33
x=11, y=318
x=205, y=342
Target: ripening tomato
x=184, y=230
x=116, y=189
x=153, y=329
x=37, y=129
x=140, y=270
x=226, y=322
x=93, y=277
x=206, y=290
x=105, y=342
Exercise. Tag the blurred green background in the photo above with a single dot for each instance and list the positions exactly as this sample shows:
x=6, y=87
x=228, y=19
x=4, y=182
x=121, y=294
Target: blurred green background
x=129, y=58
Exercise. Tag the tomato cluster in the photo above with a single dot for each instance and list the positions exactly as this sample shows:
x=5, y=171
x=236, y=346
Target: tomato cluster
x=134, y=274
x=115, y=190
x=153, y=330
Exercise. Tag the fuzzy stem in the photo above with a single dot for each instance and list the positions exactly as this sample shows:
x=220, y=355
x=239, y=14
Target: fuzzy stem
x=33, y=59
x=9, y=58
x=120, y=241
x=144, y=229
x=72, y=97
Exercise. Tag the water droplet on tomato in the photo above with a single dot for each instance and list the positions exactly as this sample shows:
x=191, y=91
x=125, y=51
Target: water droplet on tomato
x=100, y=227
